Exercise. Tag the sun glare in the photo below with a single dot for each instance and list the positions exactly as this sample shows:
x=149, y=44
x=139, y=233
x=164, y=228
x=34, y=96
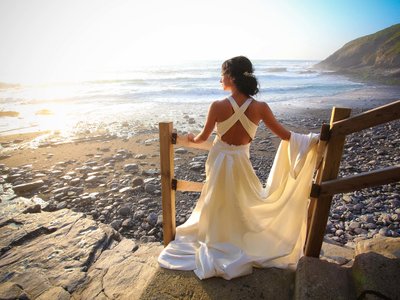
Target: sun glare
x=123, y=35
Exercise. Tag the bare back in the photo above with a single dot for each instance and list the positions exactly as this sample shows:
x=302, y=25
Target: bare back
x=256, y=111
x=237, y=134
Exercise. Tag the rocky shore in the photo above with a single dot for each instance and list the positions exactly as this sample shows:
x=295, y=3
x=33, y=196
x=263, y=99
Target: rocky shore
x=65, y=255
x=116, y=180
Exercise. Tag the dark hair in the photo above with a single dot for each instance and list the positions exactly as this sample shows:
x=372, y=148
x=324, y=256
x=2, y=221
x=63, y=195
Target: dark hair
x=240, y=69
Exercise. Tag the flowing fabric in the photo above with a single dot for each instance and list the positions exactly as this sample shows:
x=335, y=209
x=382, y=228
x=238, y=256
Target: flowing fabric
x=238, y=224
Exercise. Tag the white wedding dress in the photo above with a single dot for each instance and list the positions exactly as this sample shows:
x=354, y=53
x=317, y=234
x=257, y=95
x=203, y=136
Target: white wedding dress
x=237, y=224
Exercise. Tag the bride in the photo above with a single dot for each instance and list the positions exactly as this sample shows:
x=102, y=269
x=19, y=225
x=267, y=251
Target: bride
x=238, y=224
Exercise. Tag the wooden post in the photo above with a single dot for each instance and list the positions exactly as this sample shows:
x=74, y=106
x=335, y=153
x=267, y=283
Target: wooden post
x=167, y=174
x=323, y=140
x=330, y=170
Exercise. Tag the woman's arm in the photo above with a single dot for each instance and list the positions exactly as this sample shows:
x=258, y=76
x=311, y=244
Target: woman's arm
x=208, y=127
x=269, y=119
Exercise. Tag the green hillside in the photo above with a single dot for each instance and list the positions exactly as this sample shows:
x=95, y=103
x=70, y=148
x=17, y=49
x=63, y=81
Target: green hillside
x=375, y=56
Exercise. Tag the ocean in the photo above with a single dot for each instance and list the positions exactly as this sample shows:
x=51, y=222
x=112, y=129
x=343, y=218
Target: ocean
x=153, y=94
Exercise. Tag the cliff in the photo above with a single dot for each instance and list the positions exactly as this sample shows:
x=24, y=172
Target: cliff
x=371, y=57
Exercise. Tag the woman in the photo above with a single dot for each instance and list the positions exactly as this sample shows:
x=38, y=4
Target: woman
x=237, y=224
x=238, y=78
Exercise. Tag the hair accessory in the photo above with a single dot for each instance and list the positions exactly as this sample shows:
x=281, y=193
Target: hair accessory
x=248, y=74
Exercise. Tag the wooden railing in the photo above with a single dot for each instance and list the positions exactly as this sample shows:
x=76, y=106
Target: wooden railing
x=168, y=183
x=329, y=154
x=326, y=183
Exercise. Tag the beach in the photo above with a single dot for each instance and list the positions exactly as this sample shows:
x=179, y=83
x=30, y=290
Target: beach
x=115, y=178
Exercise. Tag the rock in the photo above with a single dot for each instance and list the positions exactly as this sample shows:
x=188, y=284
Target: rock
x=367, y=218
x=386, y=246
x=150, y=188
x=123, y=272
x=124, y=211
x=354, y=225
x=116, y=224
x=138, y=214
x=181, y=151
x=383, y=231
x=56, y=293
x=339, y=232
x=62, y=205
x=195, y=166
x=38, y=258
x=62, y=190
x=316, y=279
x=145, y=201
x=27, y=187
x=131, y=168
x=137, y=181
x=375, y=274
x=126, y=190
x=91, y=179
x=151, y=172
x=152, y=218
x=127, y=223
x=75, y=181
x=140, y=156
x=10, y=290
x=33, y=209
x=147, y=239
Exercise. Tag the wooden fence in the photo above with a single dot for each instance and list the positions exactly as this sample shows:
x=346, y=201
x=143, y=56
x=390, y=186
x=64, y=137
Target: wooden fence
x=325, y=182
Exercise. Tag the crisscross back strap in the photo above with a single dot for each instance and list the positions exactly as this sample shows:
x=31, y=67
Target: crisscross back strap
x=238, y=115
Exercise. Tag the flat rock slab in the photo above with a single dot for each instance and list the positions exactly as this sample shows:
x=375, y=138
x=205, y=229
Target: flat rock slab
x=332, y=252
x=269, y=283
x=123, y=272
x=64, y=255
x=44, y=250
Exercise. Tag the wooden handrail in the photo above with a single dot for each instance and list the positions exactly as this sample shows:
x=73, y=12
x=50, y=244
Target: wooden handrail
x=359, y=181
x=187, y=186
x=182, y=140
x=371, y=118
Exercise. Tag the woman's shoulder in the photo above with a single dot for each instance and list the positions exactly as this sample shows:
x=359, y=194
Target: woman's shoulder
x=259, y=104
x=217, y=104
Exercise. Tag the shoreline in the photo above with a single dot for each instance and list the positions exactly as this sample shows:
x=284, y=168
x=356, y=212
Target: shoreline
x=191, y=116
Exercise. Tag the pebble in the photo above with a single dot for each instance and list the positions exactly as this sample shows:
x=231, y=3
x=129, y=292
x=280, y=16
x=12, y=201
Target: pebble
x=91, y=179
x=150, y=188
x=137, y=181
x=181, y=151
x=116, y=224
x=127, y=189
x=124, y=211
x=131, y=168
x=152, y=218
x=151, y=172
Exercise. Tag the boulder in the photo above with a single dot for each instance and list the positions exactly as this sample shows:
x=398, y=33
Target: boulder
x=386, y=246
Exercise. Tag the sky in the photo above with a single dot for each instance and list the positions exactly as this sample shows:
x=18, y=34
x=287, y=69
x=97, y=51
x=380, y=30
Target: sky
x=62, y=38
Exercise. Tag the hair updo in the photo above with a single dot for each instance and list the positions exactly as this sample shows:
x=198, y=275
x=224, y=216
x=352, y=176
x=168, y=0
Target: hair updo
x=240, y=69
